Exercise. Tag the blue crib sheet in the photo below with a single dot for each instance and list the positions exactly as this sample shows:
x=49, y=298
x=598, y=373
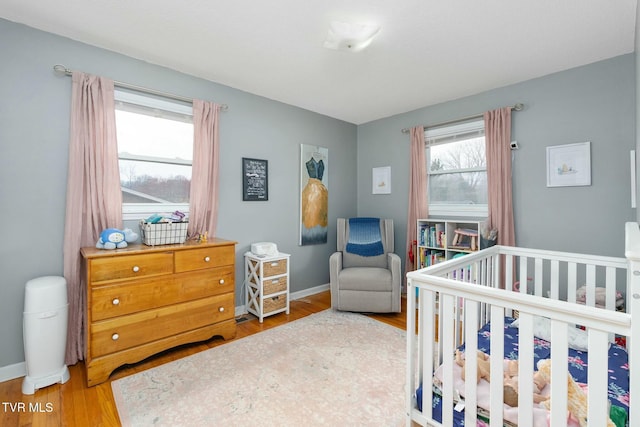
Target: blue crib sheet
x=578, y=363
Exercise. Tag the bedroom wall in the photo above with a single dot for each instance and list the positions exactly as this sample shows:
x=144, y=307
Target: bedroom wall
x=34, y=134
x=593, y=103
x=637, y=58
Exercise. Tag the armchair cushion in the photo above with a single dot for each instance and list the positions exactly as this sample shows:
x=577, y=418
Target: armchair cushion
x=353, y=260
x=365, y=279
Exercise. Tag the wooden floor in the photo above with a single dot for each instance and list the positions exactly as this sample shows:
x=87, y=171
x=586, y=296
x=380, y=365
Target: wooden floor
x=75, y=404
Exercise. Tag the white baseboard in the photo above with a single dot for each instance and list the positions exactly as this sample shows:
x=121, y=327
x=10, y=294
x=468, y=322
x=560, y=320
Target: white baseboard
x=242, y=309
x=11, y=372
x=309, y=291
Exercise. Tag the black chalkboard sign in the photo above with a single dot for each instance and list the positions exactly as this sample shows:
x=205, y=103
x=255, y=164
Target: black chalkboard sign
x=255, y=183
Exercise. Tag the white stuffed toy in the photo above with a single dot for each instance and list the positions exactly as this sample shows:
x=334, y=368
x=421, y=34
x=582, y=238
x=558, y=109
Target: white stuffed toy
x=112, y=238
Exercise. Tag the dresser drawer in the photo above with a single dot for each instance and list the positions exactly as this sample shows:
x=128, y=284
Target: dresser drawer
x=271, y=286
x=110, y=336
x=133, y=296
x=275, y=303
x=198, y=259
x=197, y=284
x=130, y=266
x=273, y=268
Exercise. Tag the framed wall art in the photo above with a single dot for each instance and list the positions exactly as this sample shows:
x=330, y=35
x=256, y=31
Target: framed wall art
x=569, y=165
x=314, y=194
x=255, y=180
x=381, y=180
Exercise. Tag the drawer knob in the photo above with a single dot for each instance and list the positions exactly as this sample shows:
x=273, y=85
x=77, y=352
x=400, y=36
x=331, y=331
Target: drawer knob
x=274, y=264
x=221, y=281
x=135, y=268
x=115, y=337
x=115, y=301
x=207, y=259
x=221, y=309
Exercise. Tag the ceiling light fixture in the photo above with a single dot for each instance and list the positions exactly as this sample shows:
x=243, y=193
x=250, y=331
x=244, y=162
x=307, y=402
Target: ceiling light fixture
x=350, y=37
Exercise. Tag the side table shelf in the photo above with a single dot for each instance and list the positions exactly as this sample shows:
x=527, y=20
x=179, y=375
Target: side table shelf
x=267, y=283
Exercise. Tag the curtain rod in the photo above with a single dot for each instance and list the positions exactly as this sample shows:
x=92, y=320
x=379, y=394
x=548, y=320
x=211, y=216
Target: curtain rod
x=61, y=69
x=517, y=107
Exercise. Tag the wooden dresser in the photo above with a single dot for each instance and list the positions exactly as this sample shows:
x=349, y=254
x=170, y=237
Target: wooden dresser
x=142, y=300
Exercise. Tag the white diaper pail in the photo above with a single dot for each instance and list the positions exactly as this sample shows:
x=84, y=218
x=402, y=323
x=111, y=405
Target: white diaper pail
x=45, y=332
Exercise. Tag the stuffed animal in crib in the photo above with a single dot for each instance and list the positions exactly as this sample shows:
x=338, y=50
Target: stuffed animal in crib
x=112, y=238
x=484, y=370
x=510, y=372
x=576, y=397
x=510, y=383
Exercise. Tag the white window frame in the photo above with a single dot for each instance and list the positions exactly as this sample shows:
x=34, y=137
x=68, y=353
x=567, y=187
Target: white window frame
x=136, y=211
x=454, y=210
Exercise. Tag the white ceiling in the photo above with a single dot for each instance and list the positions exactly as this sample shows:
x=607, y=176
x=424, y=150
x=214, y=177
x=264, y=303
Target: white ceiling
x=427, y=51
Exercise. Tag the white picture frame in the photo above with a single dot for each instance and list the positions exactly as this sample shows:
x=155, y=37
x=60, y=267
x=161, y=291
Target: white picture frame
x=569, y=165
x=381, y=180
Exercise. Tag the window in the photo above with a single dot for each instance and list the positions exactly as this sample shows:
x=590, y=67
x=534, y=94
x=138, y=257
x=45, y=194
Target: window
x=457, y=169
x=155, y=153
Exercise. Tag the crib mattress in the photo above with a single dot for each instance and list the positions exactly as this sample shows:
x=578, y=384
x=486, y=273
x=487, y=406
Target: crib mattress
x=578, y=363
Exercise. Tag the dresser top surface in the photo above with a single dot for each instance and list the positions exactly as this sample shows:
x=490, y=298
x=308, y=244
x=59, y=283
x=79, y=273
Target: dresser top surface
x=93, y=252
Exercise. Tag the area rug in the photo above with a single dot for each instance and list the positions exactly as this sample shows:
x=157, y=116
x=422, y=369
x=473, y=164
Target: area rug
x=327, y=369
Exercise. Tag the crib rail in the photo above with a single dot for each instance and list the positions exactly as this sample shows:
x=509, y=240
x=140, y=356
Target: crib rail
x=453, y=299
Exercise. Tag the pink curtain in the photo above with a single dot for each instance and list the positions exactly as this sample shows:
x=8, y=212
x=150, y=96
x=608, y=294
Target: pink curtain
x=417, y=192
x=203, y=206
x=498, y=138
x=94, y=198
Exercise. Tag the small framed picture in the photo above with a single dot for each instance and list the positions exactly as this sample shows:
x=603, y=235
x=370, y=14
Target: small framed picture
x=569, y=165
x=255, y=180
x=381, y=180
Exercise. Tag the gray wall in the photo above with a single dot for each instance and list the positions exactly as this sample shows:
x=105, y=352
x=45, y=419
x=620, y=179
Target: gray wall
x=34, y=135
x=637, y=93
x=593, y=103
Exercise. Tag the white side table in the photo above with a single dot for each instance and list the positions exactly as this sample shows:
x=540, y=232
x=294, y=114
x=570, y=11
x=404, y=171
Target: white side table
x=267, y=282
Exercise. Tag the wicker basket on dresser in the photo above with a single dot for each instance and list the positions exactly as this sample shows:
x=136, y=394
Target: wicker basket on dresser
x=144, y=299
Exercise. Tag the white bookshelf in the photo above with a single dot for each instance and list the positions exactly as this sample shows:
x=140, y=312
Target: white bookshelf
x=442, y=239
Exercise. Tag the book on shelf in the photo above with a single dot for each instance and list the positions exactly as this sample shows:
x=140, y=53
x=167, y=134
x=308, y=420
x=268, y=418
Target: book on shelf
x=421, y=235
x=429, y=257
x=432, y=235
x=440, y=236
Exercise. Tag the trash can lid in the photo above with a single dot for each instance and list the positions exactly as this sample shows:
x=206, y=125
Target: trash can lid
x=45, y=293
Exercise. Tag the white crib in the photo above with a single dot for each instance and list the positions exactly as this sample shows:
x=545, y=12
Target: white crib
x=455, y=298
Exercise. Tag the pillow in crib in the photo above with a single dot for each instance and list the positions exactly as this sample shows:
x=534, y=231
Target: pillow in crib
x=577, y=338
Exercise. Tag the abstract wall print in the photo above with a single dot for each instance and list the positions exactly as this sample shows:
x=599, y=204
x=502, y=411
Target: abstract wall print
x=314, y=194
x=569, y=165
